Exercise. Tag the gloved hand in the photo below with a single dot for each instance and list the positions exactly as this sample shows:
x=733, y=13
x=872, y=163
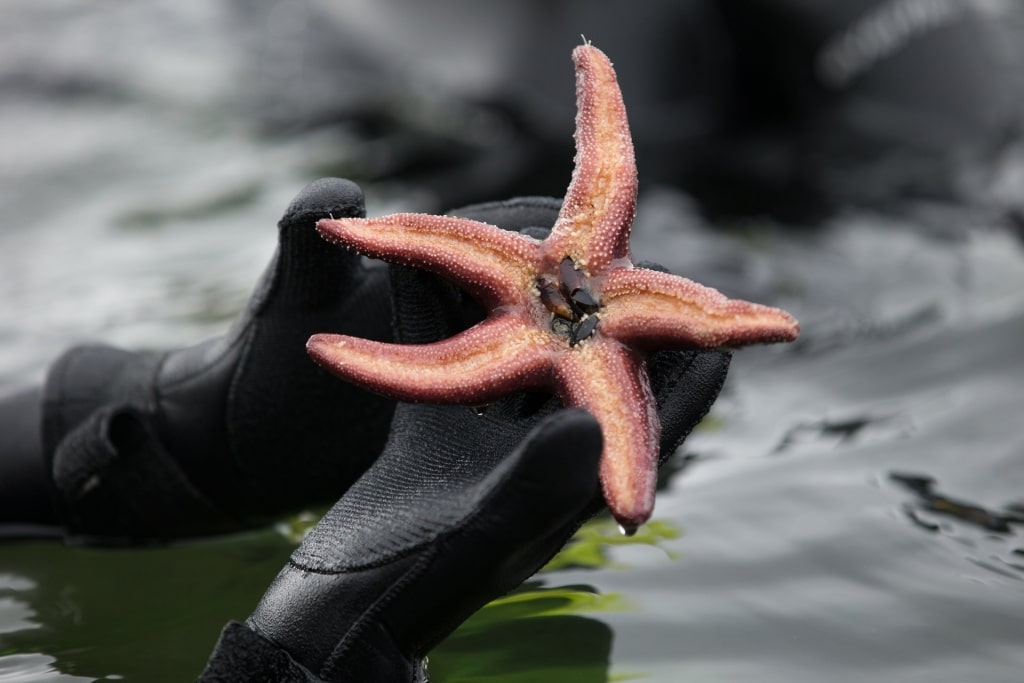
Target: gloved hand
x=236, y=429
x=461, y=507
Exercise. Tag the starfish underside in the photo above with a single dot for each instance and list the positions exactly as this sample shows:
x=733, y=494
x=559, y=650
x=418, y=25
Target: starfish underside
x=570, y=313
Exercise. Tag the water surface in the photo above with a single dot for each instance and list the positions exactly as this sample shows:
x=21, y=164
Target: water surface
x=849, y=511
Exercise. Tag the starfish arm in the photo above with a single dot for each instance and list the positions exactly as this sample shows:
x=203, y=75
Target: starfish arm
x=499, y=356
x=610, y=381
x=570, y=313
x=650, y=309
x=600, y=204
x=495, y=266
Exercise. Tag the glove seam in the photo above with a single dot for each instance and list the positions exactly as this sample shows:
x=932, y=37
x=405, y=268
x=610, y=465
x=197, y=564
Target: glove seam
x=389, y=559
x=247, y=339
x=359, y=627
x=55, y=426
x=54, y=420
x=161, y=390
x=201, y=369
x=463, y=524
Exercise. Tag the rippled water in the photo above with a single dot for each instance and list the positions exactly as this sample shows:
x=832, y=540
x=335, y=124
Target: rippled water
x=851, y=510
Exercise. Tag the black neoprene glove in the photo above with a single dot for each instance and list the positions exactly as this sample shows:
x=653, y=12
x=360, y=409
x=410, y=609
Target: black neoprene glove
x=460, y=508
x=234, y=430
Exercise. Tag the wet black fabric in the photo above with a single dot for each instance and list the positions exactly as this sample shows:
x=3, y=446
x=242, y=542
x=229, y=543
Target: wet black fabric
x=246, y=421
x=113, y=478
x=242, y=656
x=438, y=526
x=25, y=486
x=463, y=504
x=293, y=435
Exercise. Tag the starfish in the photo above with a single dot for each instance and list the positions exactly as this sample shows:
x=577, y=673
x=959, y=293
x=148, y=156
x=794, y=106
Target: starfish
x=570, y=313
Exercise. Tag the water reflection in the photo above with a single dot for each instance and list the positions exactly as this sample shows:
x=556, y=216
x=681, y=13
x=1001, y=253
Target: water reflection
x=589, y=548
x=544, y=633
x=111, y=613
x=17, y=615
x=36, y=668
x=928, y=498
x=145, y=224
x=534, y=634
x=955, y=518
x=843, y=431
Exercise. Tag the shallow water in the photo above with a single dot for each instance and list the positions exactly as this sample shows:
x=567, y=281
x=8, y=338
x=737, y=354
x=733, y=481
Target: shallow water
x=800, y=540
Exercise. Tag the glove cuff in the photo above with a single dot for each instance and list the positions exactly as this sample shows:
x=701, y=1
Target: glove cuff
x=114, y=481
x=242, y=655
x=88, y=377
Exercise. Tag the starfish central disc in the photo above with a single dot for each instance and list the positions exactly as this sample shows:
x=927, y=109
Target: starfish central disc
x=570, y=313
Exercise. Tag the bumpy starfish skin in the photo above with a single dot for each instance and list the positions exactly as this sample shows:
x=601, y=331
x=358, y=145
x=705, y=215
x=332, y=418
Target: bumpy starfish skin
x=570, y=313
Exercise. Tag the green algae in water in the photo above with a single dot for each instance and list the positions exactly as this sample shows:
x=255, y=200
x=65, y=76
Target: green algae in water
x=535, y=634
x=143, y=614
x=589, y=547
x=541, y=634
x=154, y=614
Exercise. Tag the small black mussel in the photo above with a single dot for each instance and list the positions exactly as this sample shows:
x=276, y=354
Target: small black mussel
x=584, y=330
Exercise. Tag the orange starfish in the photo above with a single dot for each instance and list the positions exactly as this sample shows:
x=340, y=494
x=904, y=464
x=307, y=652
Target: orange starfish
x=570, y=313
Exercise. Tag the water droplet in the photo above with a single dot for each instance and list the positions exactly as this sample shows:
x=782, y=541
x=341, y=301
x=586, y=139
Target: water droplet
x=628, y=529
